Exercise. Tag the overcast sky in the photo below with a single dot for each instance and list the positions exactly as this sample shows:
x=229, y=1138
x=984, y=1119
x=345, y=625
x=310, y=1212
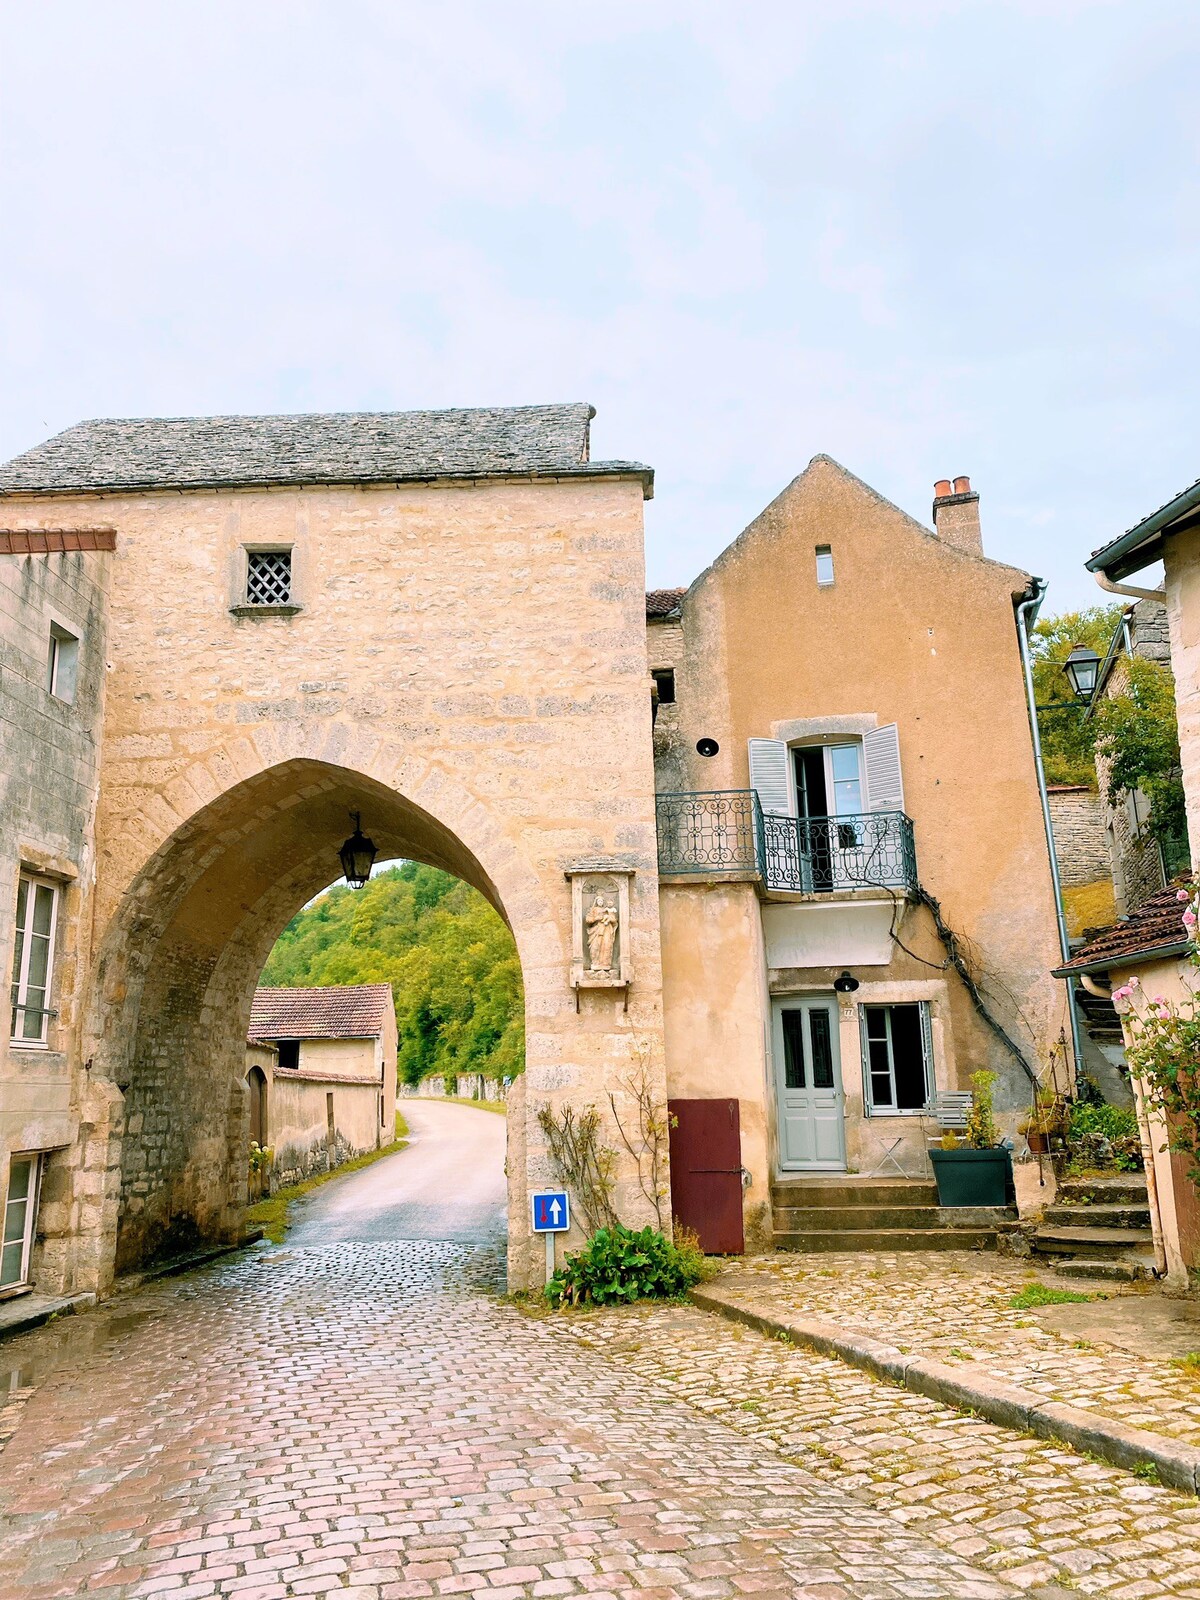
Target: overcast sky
x=925, y=237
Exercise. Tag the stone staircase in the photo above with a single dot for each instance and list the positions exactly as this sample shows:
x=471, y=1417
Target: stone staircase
x=1099, y=1228
x=832, y=1212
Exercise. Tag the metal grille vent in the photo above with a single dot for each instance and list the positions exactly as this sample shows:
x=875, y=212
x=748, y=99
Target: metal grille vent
x=269, y=577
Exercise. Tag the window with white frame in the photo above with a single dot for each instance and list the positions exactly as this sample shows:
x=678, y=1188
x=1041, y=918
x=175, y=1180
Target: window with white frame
x=33, y=960
x=897, y=1049
x=824, y=566
x=20, y=1212
x=268, y=577
x=62, y=663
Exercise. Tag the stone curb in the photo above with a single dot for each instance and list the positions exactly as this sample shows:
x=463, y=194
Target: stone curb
x=967, y=1388
x=37, y=1315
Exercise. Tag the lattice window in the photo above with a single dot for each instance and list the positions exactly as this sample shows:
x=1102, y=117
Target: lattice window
x=269, y=577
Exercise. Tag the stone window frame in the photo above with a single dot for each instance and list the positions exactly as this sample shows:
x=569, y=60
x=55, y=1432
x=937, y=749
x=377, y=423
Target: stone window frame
x=31, y=1201
x=59, y=629
x=19, y=985
x=243, y=606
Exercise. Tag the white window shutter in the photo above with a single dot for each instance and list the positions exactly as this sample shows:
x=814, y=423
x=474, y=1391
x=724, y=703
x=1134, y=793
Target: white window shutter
x=881, y=757
x=769, y=776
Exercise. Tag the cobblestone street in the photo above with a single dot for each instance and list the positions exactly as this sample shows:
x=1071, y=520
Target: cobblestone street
x=365, y=1420
x=955, y=1306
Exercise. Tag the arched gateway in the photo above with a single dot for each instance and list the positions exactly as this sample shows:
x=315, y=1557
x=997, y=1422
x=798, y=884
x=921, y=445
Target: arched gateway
x=436, y=620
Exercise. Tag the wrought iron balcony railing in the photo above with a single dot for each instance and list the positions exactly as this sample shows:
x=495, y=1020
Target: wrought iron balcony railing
x=727, y=832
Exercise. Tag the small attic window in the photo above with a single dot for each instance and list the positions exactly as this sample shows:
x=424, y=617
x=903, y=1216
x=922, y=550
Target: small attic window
x=268, y=577
x=824, y=566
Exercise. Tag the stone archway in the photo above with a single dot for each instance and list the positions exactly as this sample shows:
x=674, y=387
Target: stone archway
x=182, y=955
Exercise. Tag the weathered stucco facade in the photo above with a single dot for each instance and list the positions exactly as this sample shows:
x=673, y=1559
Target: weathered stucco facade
x=832, y=616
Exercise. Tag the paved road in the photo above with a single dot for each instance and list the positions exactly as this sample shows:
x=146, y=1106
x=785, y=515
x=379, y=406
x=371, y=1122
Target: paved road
x=365, y=1418
x=448, y=1184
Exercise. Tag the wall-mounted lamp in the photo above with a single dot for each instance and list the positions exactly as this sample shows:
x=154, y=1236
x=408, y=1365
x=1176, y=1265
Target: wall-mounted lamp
x=846, y=984
x=1082, y=667
x=357, y=855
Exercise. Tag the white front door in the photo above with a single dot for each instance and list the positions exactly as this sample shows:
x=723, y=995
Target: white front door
x=808, y=1084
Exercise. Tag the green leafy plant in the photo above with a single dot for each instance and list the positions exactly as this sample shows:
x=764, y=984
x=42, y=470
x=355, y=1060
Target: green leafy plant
x=1105, y=1135
x=982, y=1133
x=1066, y=738
x=1039, y=1294
x=618, y=1265
x=1137, y=735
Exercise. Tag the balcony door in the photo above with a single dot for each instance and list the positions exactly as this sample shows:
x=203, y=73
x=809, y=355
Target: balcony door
x=829, y=786
x=808, y=1084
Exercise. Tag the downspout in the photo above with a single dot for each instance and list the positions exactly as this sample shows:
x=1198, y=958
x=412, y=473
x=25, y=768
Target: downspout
x=1027, y=610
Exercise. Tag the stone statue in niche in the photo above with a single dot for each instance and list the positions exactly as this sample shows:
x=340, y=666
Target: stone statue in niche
x=602, y=923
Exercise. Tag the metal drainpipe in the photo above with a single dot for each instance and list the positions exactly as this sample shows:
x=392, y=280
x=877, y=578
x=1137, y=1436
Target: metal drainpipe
x=1027, y=610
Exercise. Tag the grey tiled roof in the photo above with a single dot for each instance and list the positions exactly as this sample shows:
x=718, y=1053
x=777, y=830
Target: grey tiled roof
x=144, y=453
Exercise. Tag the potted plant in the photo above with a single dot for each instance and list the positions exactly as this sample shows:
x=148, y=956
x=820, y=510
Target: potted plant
x=979, y=1171
x=1045, y=1128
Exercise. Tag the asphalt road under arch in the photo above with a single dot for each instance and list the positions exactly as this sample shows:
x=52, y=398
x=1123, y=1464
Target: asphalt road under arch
x=448, y=1184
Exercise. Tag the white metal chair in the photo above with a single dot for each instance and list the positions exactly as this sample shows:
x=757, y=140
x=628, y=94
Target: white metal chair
x=949, y=1108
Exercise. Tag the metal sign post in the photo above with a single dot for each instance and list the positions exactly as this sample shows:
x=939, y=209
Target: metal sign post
x=550, y=1213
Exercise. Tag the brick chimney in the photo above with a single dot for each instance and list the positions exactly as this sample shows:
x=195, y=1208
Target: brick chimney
x=956, y=514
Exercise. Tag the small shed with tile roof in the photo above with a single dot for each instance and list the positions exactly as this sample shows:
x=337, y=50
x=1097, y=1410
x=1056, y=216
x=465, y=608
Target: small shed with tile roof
x=321, y=1074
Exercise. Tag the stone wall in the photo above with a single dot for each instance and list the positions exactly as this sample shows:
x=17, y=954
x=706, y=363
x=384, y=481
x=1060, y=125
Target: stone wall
x=49, y=749
x=1078, y=816
x=467, y=668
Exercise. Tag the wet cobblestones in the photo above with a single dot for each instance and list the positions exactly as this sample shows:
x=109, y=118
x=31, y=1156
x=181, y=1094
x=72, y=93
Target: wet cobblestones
x=364, y=1421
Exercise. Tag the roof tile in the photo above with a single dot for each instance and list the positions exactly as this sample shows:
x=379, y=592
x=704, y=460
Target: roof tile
x=146, y=453
x=1157, y=925
x=349, y=1011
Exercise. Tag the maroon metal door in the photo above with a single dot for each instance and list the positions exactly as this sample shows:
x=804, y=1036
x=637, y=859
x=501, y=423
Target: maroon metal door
x=706, y=1172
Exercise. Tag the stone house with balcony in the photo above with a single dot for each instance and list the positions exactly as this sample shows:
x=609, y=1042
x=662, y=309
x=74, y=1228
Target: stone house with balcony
x=843, y=760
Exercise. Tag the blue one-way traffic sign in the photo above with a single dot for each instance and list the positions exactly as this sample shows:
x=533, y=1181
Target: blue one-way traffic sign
x=551, y=1210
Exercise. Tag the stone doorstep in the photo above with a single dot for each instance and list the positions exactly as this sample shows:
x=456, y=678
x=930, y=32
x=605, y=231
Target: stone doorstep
x=32, y=1310
x=968, y=1387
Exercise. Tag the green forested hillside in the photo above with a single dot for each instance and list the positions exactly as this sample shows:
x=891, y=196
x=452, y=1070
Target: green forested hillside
x=449, y=958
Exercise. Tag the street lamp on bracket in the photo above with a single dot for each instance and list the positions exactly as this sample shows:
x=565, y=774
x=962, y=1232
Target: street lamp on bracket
x=357, y=855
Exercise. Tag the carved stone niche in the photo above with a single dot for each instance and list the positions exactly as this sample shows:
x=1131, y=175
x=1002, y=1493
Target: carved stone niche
x=600, y=956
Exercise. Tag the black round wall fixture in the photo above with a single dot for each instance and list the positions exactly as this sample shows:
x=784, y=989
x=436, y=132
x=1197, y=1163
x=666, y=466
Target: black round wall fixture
x=846, y=984
x=707, y=747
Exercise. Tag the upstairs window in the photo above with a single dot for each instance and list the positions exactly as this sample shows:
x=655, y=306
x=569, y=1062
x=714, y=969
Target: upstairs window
x=33, y=960
x=268, y=577
x=62, y=663
x=824, y=566
x=289, y=1053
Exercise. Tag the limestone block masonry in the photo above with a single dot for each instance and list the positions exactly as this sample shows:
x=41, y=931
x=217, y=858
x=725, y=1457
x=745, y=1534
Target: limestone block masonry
x=48, y=777
x=465, y=664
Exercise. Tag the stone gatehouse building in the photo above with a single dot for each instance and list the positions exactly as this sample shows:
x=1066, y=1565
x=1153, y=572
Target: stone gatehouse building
x=438, y=621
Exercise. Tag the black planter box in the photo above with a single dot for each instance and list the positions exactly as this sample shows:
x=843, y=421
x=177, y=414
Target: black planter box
x=973, y=1177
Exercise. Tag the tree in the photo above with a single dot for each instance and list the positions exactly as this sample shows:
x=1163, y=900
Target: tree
x=1136, y=734
x=451, y=962
x=1066, y=737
